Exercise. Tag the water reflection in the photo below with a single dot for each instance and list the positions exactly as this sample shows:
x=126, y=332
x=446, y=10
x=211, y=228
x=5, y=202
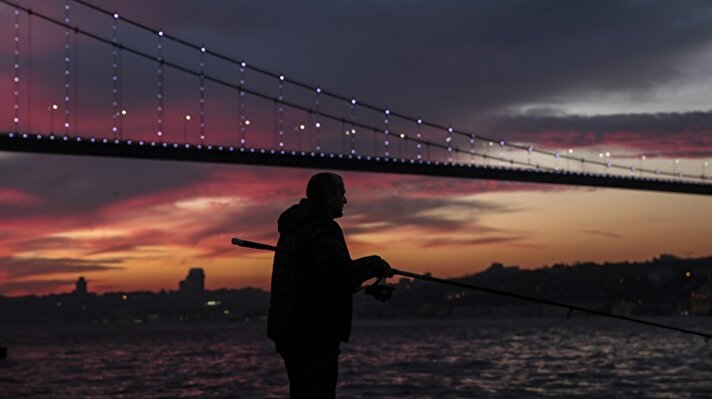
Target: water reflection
x=386, y=359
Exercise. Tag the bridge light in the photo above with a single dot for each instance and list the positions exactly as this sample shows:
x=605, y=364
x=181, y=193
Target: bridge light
x=123, y=112
x=353, y=101
x=247, y=122
x=318, y=90
x=387, y=111
x=116, y=16
x=202, y=49
x=302, y=127
x=160, y=33
x=54, y=106
x=600, y=155
x=281, y=77
x=571, y=150
x=402, y=135
x=317, y=124
x=677, y=161
x=643, y=157
x=187, y=117
x=608, y=154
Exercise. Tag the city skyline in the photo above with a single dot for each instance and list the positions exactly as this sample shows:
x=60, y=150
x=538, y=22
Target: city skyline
x=629, y=78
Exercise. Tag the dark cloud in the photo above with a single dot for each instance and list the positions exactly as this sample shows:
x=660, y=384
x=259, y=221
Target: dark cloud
x=472, y=242
x=468, y=56
x=436, y=59
x=22, y=268
x=603, y=233
x=258, y=221
x=422, y=186
x=435, y=214
x=72, y=185
x=40, y=286
x=686, y=134
x=131, y=242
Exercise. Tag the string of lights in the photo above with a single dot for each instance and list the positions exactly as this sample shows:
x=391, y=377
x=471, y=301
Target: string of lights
x=317, y=122
x=280, y=112
x=29, y=75
x=418, y=146
x=159, y=84
x=241, y=103
x=439, y=127
x=202, y=95
x=115, y=77
x=16, y=74
x=352, y=130
x=75, y=76
x=386, y=132
x=473, y=138
x=67, y=67
x=162, y=62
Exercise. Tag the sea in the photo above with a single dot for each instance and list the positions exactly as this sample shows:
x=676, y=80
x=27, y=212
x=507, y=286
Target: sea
x=584, y=357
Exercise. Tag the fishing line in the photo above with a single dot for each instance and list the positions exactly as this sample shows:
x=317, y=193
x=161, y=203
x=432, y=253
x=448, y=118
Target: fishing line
x=569, y=307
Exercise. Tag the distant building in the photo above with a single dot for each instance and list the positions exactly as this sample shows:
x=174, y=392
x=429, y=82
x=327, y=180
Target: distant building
x=80, y=286
x=701, y=300
x=194, y=283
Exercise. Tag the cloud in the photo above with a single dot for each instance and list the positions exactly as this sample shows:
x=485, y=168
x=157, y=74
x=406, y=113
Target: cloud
x=474, y=58
x=431, y=214
x=687, y=134
x=465, y=242
x=603, y=233
x=16, y=268
x=23, y=287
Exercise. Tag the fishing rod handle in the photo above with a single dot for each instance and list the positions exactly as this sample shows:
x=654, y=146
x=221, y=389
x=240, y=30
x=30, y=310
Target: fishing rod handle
x=254, y=245
x=258, y=245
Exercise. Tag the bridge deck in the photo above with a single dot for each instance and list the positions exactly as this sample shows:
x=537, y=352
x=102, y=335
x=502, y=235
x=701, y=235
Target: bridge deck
x=267, y=157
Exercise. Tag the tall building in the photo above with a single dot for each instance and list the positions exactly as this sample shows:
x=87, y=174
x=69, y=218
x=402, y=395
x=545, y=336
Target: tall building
x=80, y=286
x=194, y=283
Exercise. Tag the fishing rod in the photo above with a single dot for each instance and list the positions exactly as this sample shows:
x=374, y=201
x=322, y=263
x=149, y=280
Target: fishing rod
x=569, y=307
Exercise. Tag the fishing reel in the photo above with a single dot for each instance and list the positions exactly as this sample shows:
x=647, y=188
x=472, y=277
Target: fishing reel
x=380, y=290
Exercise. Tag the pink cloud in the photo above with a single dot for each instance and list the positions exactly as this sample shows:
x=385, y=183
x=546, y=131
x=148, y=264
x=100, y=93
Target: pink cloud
x=10, y=196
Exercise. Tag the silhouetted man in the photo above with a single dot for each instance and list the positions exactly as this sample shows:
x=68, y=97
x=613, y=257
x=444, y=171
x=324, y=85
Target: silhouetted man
x=312, y=287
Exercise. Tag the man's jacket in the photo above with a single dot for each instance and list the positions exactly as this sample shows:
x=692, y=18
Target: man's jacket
x=313, y=284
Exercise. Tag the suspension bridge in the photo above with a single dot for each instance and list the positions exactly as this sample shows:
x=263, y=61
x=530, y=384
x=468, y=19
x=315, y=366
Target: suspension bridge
x=131, y=104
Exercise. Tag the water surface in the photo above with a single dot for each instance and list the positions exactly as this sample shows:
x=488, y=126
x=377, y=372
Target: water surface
x=434, y=358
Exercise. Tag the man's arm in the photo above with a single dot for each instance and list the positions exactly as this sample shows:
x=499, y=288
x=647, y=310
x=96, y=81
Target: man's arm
x=333, y=259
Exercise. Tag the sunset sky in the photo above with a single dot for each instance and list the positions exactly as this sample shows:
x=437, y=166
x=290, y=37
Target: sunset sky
x=630, y=77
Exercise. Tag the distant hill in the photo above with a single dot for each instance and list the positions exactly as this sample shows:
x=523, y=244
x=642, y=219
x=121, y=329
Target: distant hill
x=666, y=285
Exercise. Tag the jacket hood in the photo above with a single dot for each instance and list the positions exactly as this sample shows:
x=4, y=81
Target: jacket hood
x=297, y=215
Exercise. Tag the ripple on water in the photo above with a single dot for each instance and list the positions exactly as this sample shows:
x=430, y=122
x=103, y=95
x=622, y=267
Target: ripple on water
x=440, y=359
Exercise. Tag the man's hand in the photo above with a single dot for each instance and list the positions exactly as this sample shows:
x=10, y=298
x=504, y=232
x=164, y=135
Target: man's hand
x=386, y=270
x=374, y=266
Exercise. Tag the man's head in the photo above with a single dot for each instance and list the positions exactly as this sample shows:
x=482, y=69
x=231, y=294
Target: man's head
x=327, y=190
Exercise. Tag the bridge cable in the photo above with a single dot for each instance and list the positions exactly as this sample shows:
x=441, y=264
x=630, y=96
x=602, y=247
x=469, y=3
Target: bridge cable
x=405, y=117
x=290, y=104
x=163, y=62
